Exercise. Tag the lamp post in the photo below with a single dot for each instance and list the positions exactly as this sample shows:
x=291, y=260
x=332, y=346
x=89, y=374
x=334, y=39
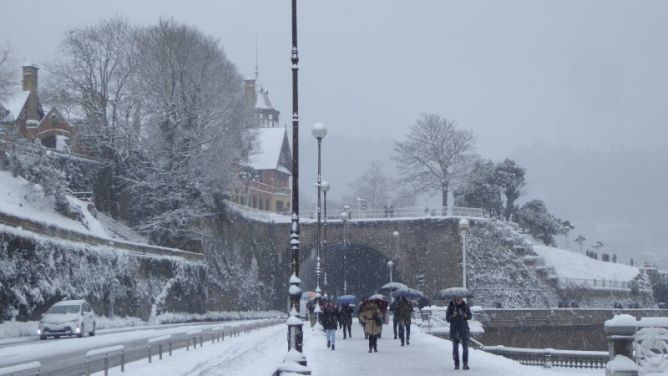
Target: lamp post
x=319, y=131
x=390, y=264
x=295, y=325
x=344, y=219
x=324, y=185
x=463, y=229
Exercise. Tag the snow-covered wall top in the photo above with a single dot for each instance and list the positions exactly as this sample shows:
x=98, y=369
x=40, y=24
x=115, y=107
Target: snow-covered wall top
x=569, y=264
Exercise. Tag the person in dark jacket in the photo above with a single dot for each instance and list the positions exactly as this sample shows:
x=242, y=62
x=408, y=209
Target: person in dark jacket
x=403, y=314
x=346, y=317
x=329, y=319
x=457, y=315
x=395, y=319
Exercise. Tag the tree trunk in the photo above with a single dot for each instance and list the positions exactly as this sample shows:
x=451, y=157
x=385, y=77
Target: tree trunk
x=444, y=191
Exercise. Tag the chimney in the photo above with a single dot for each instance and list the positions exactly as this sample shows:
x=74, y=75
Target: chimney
x=250, y=92
x=30, y=78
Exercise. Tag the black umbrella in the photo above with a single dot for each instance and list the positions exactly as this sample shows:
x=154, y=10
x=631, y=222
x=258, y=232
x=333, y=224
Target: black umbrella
x=455, y=292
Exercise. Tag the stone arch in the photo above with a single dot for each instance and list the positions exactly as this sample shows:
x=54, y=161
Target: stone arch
x=365, y=269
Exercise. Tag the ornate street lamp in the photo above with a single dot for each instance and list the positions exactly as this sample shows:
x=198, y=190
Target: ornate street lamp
x=295, y=325
x=319, y=131
x=464, y=227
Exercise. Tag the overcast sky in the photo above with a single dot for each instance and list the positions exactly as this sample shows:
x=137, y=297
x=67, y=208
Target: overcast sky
x=582, y=79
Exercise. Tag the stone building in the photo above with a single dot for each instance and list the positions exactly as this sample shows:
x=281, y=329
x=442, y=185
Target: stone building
x=24, y=114
x=265, y=181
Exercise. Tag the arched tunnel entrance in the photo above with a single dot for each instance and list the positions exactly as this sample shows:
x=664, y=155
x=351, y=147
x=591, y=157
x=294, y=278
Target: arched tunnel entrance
x=363, y=270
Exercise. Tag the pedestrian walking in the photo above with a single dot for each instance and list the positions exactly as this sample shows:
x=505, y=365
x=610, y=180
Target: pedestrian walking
x=346, y=317
x=403, y=313
x=457, y=315
x=371, y=316
x=310, y=306
x=395, y=319
x=329, y=320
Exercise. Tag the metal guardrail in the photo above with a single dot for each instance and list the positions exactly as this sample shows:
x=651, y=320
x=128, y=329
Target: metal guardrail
x=548, y=358
x=106, y=353
x=57, y=232
x=159, y=341
x=25, y=369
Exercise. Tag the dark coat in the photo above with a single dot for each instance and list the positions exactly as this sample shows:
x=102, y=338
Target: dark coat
x=346, y=314
x=404, y=311
x=329, y=318
x=458, y=315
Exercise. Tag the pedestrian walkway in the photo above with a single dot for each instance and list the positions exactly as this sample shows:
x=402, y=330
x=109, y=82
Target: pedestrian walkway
x=426, y=355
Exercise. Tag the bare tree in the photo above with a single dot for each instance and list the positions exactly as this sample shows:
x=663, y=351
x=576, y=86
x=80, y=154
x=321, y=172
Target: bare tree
x=196, y=127
x=95, y=71
x=373, y=185
x=6, y=76
x=435, y=154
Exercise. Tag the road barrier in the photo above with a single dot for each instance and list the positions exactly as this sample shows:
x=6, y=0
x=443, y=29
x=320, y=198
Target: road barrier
x=106, y=353
x=194, y=334
x=25, y=369
x=158, y=341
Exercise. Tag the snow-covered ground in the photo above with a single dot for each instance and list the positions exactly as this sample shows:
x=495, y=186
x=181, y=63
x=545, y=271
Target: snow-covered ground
x=20, y=198
x=23, y=199
x=260, y=353
x=576, y=266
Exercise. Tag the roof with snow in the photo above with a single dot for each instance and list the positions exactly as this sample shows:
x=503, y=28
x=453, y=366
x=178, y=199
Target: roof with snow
x=271, y=142
x=12, y=106
x=262, y=100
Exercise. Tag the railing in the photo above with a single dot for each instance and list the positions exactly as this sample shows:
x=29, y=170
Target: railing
x=551, y=358
x=106, y=353
x=25, y=369
x=600, y=284
x=61, y=233
x=409, y=212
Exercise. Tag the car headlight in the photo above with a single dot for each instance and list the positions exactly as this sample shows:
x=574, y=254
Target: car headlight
x=39, y=331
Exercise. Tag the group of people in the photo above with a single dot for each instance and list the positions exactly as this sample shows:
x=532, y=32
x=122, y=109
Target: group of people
x=371, y=317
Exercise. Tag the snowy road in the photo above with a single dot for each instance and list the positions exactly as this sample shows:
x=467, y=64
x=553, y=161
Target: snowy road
x=260, y=353
x=66, y=356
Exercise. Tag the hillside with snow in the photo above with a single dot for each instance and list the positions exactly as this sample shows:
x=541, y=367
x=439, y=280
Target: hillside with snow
x=576, y=266
x=23, y=199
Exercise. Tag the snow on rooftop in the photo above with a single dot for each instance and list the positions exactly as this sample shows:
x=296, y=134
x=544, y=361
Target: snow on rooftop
x=14, y=104
x=574, y=265
x=270, y=143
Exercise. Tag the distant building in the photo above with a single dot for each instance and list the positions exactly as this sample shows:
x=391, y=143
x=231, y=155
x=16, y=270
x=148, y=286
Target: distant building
x=23, y=113
x=265, y=181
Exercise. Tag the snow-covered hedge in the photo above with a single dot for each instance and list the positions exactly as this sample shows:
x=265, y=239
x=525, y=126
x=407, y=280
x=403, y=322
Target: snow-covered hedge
x=170, y=318
x=37, y=271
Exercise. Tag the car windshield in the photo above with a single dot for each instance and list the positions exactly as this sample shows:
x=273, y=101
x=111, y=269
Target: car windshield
x=64, y=309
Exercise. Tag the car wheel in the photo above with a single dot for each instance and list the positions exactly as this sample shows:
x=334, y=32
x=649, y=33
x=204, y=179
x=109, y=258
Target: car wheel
x=83, y=330
x=91, y=334
x=56, y=337
x=42, y=337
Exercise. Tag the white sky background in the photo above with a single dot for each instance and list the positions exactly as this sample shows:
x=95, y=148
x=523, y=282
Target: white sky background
x=585, y=80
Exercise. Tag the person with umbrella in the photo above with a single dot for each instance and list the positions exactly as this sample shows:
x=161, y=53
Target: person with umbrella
x=457, y=315
x=371, y=316
x=403, y=313
x=346, y=317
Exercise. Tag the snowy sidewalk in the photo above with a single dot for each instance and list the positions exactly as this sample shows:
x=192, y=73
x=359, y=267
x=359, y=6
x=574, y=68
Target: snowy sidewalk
x=426, y=355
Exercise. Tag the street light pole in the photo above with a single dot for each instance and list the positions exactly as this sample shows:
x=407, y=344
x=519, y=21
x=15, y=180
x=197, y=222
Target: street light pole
x=390, y=264
x=463, y=228
x=295, y=331
x=344, y=219
x=324, y=185
x=319, y=131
